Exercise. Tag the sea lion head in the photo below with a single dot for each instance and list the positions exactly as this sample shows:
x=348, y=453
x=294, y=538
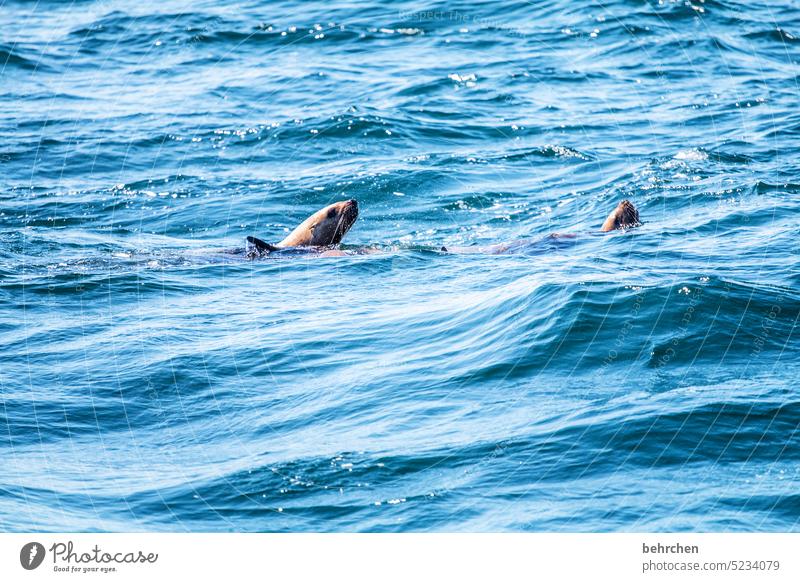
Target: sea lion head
x=624, y=215
x=325, y=227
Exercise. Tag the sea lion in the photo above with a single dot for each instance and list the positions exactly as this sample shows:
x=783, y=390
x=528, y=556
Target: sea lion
x=324, y=228
x=623, y=216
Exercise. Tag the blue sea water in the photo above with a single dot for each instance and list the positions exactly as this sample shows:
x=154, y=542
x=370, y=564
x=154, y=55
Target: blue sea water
x=639, y=380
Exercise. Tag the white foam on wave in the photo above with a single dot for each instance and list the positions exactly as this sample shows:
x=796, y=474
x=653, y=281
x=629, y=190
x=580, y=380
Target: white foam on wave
x=693, y=154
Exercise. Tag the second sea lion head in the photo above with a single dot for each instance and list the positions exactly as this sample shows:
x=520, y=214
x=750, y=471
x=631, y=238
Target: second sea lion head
x=624, y=215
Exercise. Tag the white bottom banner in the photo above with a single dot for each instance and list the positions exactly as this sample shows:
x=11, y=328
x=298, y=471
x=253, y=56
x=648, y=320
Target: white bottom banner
x=371, y=557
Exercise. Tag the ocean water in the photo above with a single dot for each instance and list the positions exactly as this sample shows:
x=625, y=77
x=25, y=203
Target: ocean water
x=644, y=380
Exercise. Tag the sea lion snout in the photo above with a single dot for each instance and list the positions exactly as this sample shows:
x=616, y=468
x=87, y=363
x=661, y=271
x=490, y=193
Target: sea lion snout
x=351, y=208
x=345, y=213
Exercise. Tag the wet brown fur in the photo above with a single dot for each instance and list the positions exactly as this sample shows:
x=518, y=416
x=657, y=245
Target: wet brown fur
x=624, y=215
x=325, y=227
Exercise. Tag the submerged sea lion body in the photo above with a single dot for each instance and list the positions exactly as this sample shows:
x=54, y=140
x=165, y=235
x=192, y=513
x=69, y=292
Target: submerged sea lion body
x=554, y=241
x=625, y=215
x=324, y=228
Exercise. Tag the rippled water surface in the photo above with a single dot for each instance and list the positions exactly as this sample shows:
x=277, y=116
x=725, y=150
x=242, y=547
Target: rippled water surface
x=154, y=378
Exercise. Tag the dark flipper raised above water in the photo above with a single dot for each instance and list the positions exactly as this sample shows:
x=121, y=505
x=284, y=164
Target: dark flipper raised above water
x=260, y=245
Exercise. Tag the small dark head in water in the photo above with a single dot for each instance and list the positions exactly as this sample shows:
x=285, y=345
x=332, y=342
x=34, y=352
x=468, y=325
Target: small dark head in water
x=624, y=215
x=324, y=228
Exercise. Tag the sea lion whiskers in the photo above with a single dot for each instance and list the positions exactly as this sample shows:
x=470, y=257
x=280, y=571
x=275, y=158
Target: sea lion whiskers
x=339, y=224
